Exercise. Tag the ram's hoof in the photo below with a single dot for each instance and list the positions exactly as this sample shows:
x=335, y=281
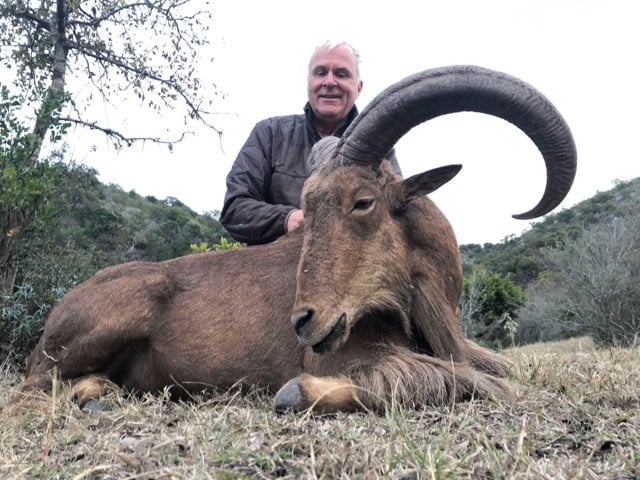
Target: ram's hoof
x=95, y=406
x=289, y=397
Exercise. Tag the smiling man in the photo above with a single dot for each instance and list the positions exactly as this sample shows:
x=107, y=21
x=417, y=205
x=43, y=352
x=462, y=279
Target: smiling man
x=264, y=185
x=334, y=84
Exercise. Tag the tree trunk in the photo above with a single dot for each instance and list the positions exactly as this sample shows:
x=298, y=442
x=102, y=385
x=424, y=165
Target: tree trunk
x=14, y=221
x=12, y=225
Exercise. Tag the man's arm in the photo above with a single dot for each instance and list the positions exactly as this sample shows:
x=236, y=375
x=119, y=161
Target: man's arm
x=246, y=213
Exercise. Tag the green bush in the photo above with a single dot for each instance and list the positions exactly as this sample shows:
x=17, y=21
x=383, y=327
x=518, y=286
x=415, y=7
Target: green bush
x=91, y=226
x=489, y=307
x=223, y=244
x=21, y=322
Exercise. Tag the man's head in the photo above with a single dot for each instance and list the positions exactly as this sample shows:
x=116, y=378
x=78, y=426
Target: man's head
x=334, y=84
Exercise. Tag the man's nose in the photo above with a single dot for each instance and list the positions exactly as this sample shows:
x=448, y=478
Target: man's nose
x=329, y=80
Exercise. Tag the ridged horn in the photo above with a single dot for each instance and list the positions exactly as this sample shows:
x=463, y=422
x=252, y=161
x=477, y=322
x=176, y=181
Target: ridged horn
x=440, y=91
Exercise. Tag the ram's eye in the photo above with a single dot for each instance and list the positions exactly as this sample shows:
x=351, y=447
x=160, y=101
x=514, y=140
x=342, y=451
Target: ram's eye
x=363, y=204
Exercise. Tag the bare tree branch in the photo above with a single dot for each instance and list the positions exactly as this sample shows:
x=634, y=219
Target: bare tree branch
x=29, y=14
x=105, y=42
x=129, y=140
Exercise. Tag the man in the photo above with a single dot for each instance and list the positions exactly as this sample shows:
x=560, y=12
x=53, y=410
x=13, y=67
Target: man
x=265, y=182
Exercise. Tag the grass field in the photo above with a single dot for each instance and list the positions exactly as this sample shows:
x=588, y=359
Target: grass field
x=577, y=415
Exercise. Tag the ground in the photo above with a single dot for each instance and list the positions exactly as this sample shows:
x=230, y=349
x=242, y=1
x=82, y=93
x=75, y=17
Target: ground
x=577, y=415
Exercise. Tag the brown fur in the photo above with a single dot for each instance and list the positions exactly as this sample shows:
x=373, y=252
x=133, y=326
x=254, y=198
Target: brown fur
x=214, y=319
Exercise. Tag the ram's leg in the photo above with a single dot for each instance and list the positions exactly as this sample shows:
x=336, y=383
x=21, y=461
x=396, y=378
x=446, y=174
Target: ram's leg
x=87, y=392
x=412, y=379
x=486, y=360
x=71, y=363
x=321, y=394
x=398, y=376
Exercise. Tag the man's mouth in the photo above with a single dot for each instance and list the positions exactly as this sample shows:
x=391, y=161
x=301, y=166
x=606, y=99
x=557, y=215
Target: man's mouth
x=330, y=97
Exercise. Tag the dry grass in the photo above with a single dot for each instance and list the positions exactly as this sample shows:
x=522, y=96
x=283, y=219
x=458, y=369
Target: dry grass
x=577, y=416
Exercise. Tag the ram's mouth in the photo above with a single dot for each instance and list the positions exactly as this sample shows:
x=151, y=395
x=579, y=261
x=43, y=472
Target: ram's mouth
x=330, y=341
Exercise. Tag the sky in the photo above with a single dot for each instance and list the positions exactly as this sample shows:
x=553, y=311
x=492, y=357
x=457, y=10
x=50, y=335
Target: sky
x=581, y=54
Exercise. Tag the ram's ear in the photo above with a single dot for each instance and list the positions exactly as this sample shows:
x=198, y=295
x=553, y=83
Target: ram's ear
x=426, y=182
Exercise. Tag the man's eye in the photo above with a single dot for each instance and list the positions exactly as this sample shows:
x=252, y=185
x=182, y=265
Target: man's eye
x=363, y=204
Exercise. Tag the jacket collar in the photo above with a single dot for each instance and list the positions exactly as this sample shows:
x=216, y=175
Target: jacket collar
x=313, y=134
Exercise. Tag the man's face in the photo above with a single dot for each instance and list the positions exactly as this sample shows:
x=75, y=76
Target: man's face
x=333, y=83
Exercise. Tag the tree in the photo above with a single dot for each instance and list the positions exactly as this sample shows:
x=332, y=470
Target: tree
x=103, y=45
x=547, y=314
x=89, y=226
x=489, y=307
x=24, y=186
x=597, y=278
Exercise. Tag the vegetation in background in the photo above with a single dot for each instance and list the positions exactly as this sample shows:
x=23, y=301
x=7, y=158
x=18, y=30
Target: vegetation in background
x=489, y=307
x=25, y=187
x=520, y=256
x=67, y=58
x=90, y=226
x=593, y=284
x=579, y=268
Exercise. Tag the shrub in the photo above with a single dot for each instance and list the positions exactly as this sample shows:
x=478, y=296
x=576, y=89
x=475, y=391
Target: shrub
x=546, y=315
x=223, y=244
x=489, y=306
x=592, y=287
x=21, y=322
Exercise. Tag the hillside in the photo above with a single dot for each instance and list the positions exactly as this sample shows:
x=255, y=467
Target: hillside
x=89, y=225
x=520, y=256
x=117, y=226
x=122, y=225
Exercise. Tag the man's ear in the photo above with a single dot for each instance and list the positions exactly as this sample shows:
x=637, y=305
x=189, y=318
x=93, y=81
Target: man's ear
x=426, y=182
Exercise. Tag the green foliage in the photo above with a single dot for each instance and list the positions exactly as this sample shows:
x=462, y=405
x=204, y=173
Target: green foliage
x=593, y=284
x=223, y=244
x=489, y=307
x=92, y=226
x=14, y=135
x=22, y=317
x=521, y=257
x=24, y=185
x=142, y=53
x=122, y=225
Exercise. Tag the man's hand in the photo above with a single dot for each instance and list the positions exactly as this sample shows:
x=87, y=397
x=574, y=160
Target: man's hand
x=295, y=220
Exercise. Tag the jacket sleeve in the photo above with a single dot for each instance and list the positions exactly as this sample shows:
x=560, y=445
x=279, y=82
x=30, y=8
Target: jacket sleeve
x=247, y=214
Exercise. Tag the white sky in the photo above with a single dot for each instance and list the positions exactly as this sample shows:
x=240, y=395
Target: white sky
x=581, y=54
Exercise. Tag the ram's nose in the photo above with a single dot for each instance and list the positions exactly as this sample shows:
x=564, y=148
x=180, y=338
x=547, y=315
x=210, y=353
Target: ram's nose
x=301, y=320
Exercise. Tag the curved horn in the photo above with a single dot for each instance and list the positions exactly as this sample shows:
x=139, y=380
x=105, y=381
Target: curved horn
x=440, y=91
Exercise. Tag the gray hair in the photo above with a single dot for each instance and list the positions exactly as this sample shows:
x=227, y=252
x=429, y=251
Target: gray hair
x=330, y=45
